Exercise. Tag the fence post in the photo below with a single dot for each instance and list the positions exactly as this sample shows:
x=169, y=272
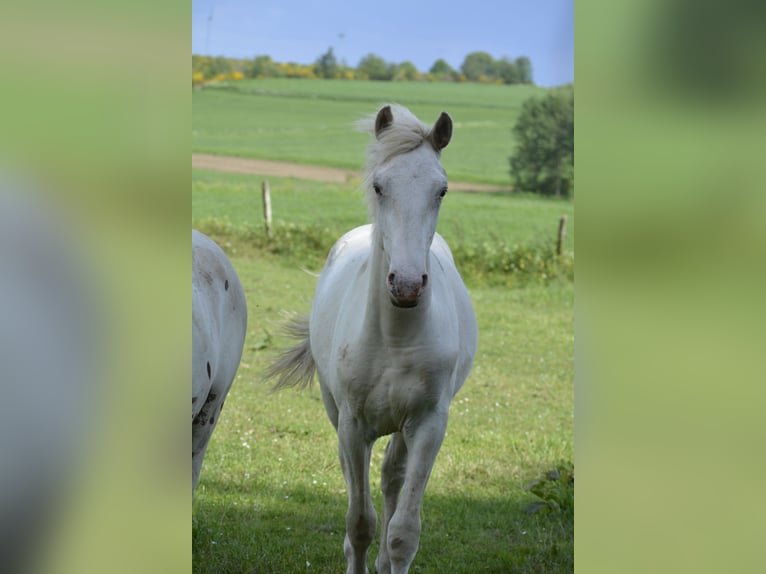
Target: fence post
x=562, y=232
x=266, y=206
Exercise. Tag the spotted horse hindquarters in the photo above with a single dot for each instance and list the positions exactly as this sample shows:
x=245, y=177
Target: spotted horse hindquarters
x=219, y=322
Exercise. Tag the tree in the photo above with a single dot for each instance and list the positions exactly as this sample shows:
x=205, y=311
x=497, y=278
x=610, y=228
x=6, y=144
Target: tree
x=326, y=65
x=507, y=71
x=544, y=158
x=478, y=64
x=263, y=67
x=220, y=65
x=201, y=65
x=441, y=70
x=391, y=70
x=374, y=68
x=211, y=67
x=406, y=71
x=524, y=70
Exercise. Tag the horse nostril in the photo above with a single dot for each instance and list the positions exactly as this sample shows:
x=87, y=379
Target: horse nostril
x=425, y=279
x=391, y=277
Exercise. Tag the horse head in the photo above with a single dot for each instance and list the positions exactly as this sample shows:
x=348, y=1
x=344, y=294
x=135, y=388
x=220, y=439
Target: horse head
x=409, y=184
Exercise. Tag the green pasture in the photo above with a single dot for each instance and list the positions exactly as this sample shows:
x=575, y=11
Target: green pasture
x=271, y=496
x=237, y=198
x=311, y=121
x=488, y=232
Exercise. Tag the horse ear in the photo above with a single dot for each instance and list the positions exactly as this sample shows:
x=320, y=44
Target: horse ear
x=385, y=119
x=442, y=131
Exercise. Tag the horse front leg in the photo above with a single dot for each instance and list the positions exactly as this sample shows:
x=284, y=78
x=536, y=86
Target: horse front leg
x=391, y=480
x=403, y=534
x=360, y=518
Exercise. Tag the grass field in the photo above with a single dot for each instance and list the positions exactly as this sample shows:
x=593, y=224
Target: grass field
x=237, y=198
x=311, y=121
x=271, y=496
x=501, y=238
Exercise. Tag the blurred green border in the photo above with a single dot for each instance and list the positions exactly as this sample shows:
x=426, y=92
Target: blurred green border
x=669, y=129
x=97, y=115
x=670, y=263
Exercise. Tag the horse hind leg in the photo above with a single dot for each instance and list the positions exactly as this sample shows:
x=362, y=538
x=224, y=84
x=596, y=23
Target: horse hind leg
x=403, y=529
x=391, y=480
x=202, y=429
x=360, y=517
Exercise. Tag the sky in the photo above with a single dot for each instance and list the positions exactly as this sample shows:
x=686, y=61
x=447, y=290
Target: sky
x=421, y=31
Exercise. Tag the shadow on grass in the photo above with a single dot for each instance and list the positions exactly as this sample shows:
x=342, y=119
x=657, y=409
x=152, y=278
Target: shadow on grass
x=256, y=527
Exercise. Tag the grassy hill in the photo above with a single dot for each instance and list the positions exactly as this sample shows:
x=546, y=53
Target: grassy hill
x=311, y=121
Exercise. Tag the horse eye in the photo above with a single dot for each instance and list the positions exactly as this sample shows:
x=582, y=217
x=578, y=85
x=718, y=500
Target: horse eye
x=442, y=192
x=376, y=188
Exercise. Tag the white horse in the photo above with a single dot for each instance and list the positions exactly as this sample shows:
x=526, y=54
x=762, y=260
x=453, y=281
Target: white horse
x=392, y=336
x=219, y=321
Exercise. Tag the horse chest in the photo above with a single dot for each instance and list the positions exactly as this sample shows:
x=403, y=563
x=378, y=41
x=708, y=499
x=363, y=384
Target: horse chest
x=385, y=387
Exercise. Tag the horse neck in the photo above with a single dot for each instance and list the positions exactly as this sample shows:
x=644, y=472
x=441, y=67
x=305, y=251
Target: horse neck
x=381, y=316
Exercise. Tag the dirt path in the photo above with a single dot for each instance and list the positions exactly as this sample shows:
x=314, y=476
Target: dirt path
x=312, y=172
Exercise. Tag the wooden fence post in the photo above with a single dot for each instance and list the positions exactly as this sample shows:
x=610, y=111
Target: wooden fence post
x=266, y=206
x=562, y=233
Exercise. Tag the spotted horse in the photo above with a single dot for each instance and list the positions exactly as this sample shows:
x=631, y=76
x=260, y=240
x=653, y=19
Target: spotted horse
x=219, y=321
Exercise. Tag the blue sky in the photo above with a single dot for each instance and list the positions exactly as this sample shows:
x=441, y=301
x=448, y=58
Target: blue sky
x=420, y=31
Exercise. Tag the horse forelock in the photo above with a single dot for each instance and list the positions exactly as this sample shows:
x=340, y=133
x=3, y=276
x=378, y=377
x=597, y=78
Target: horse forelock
x=405, y=134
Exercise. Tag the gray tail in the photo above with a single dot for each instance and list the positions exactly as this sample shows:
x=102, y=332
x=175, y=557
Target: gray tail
x=295, y=366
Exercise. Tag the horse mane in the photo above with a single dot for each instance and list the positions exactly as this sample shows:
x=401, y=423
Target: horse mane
x=404, y=134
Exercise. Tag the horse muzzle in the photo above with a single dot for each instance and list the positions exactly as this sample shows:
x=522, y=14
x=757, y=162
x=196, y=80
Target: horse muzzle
x=405, y=291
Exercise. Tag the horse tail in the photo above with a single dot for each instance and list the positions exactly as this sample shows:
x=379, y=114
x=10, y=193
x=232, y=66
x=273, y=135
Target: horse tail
x=295, y=366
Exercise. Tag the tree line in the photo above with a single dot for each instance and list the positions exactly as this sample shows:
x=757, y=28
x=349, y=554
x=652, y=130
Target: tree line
x=476, y=67
x=543, y=159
